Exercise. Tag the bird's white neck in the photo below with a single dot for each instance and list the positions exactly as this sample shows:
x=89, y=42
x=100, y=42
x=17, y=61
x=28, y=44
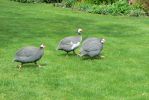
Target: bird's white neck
x=80, y=37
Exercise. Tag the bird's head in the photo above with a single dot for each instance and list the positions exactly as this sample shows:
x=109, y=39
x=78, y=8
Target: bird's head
x=102, y=40
x=80, y=31
x=42, y=46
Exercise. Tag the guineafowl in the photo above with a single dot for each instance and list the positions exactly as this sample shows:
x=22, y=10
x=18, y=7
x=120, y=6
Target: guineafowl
x=29, y=54
x=92, y=47
x=70, y=43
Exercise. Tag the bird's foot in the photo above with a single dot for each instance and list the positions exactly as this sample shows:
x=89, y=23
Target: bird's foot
x=74, y=53
x=79, y=54
x=19, y=66
x=67, y=54
x=102, y=56
x=39, y=65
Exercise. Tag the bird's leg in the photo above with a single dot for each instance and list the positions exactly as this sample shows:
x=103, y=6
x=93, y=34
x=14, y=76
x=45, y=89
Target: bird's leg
x=67, y=52
x=74, y=52
x=79, y=54
x=102, y=57
x=37, y=64
x=20, y=66
x=97, y=57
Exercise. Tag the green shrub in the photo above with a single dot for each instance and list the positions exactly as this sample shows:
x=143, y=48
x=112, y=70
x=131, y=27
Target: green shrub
x=144, y=4
x=102, y=9
x=37, y=1
x=99, y=2
x=118, y=8
x=29, y=1
x=84, y=6
x=69, y=3
x=137, y=12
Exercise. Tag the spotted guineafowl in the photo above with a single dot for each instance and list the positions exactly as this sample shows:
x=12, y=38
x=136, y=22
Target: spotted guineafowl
x=92, y=47
x=29, y=54
x=70, y=43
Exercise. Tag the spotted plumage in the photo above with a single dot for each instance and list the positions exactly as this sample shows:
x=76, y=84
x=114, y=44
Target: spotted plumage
x=92, y=47
x=70, y=43
x=29, y=54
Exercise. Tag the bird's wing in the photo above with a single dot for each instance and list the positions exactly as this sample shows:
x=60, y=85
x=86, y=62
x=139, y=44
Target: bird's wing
x=88, y=40
x=92, y=46
x=69, y=40
x=26, y=52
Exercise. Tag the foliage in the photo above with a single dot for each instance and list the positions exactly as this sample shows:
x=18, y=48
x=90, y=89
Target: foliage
x=112, y=7
x=28, y=1
x=144, y=3
x=137, y=12
x=98, y=2
x=36, y=1
x=102, y=9
x=118, y=8
x=83, y=6
x=69, y=3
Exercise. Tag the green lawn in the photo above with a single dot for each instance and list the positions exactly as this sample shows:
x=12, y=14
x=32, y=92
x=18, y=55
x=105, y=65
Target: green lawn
x=122, y=75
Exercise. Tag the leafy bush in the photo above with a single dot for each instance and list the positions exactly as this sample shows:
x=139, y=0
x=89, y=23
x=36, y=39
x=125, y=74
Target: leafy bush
x=37, y=1
x=102, y=9
x=69, y=3
x=116, y=7
x=28, y=1
x=120, y=7
x=137, y=12
x=99, y=2
x=144, y=3
x=83, y=6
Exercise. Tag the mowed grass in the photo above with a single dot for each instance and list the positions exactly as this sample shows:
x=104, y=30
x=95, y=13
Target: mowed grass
x=122, y=75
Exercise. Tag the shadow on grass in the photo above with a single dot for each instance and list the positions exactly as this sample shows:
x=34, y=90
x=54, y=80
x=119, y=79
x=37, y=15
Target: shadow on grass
x=32, y=65
x=91, y=58
x=67, y=55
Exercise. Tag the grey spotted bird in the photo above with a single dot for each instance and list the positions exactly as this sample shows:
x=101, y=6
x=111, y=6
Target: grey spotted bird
x=29, y=54
x=70, y=43
x=92, y=47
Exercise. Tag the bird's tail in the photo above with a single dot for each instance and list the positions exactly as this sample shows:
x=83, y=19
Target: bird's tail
x=58, y=48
